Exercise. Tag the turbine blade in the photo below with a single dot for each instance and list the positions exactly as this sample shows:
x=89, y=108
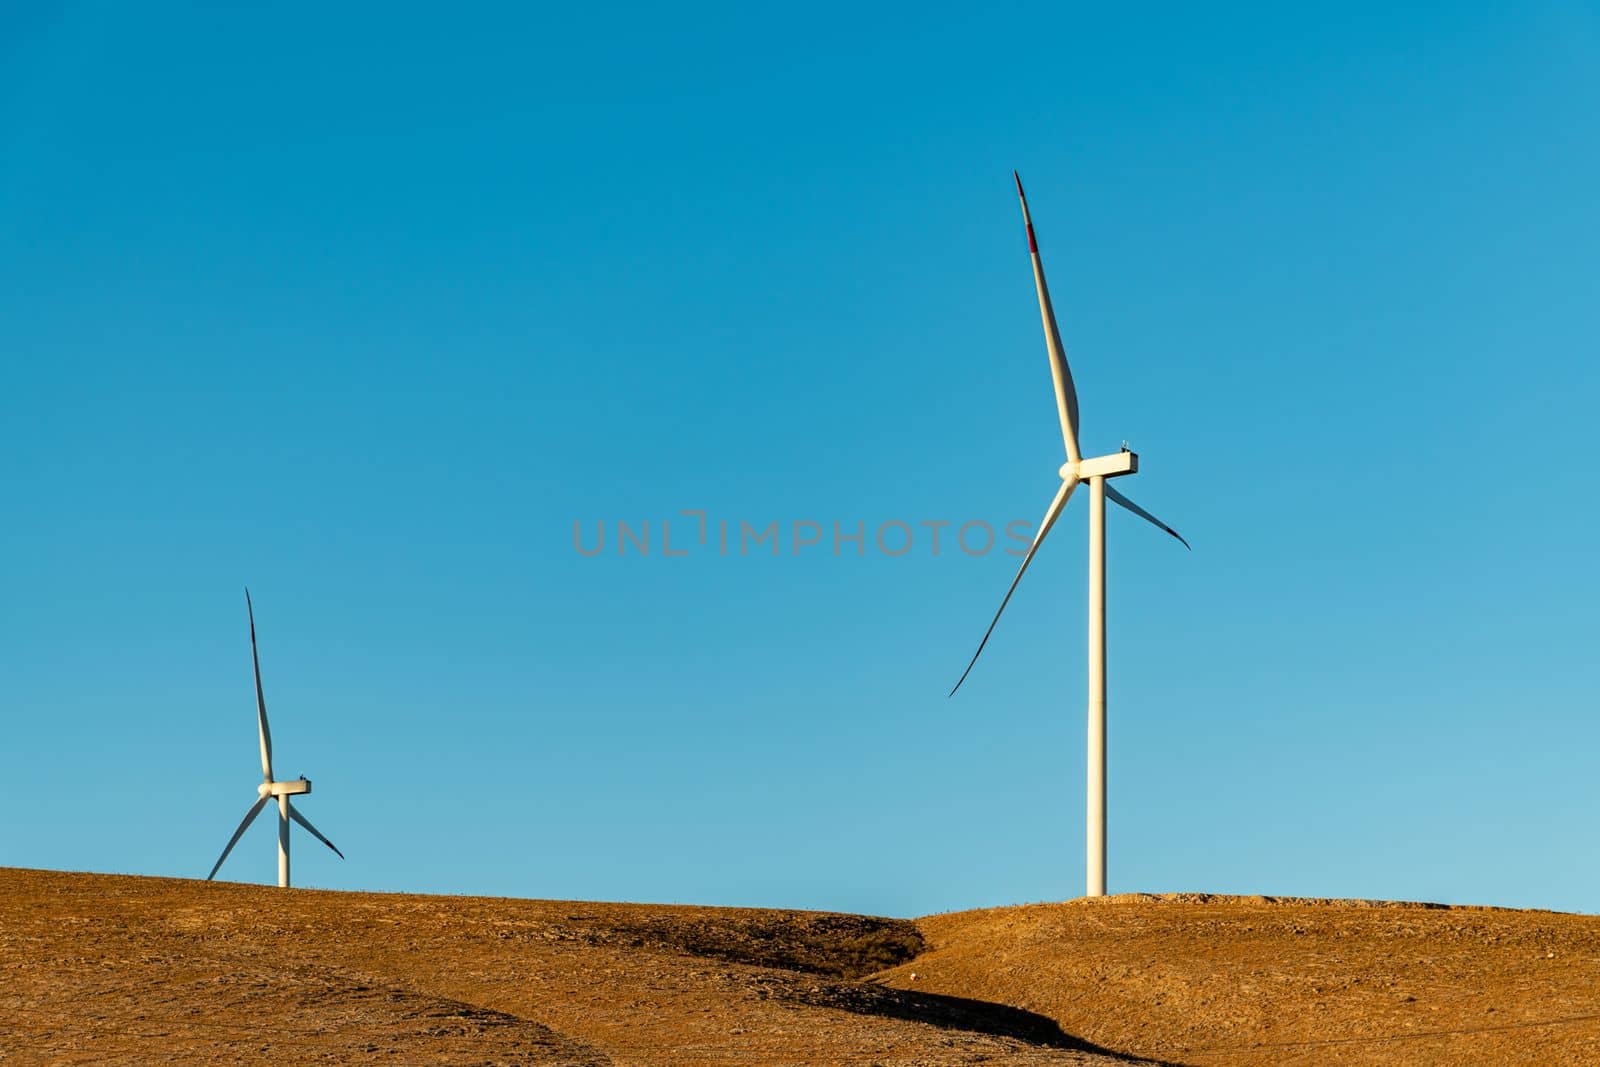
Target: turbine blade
x=294, y=813
x=261, y=700
x=1060, y=373
x=1050, y=517
x=249, y=817
x=1112, y=494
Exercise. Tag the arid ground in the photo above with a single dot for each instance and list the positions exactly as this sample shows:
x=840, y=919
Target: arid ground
x=111, y=969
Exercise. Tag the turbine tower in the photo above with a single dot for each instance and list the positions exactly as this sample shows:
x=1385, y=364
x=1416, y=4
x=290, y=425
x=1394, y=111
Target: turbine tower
x=269, y=788
x=1096, y=471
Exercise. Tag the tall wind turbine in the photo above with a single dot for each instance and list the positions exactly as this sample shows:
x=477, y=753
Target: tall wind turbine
x=269, y=788
x=1095, y=471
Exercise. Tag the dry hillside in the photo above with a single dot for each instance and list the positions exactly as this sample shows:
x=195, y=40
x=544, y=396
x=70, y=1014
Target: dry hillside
x=109, y=969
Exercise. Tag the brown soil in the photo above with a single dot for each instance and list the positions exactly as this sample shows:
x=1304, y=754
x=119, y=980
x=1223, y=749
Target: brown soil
x=1199, y=979
x=110, y=969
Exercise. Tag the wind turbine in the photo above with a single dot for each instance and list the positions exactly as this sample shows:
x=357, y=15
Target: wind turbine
x=1095, y=471
x=269, y=788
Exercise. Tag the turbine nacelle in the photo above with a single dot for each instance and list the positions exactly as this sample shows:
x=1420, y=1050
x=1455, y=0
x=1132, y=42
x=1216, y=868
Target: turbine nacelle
x=284, y=789
x=1113, y=466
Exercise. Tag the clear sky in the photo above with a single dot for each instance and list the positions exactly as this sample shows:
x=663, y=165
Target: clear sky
x=365, y=307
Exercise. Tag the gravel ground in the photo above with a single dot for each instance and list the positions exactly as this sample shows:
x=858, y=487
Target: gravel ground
x=112, y=969
x=1200, y=979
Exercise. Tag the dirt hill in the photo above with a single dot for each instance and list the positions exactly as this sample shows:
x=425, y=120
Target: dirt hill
x=110, y=969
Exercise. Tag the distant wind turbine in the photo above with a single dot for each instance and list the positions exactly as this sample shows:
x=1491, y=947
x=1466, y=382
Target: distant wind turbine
x=1075, y=470
x=269, y=788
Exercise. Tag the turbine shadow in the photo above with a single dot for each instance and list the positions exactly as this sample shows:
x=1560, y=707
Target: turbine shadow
x=956, y=1013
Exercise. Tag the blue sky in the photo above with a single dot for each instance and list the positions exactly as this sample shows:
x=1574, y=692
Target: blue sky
x=366, y=308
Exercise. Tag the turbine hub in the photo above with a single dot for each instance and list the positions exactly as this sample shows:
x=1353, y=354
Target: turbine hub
x=1068, y=471
x=264, y=789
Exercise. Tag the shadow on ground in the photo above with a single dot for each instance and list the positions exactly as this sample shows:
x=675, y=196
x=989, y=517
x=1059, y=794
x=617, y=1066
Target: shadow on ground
x=954, y=1013
x=842, y=947
x=838, y=946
